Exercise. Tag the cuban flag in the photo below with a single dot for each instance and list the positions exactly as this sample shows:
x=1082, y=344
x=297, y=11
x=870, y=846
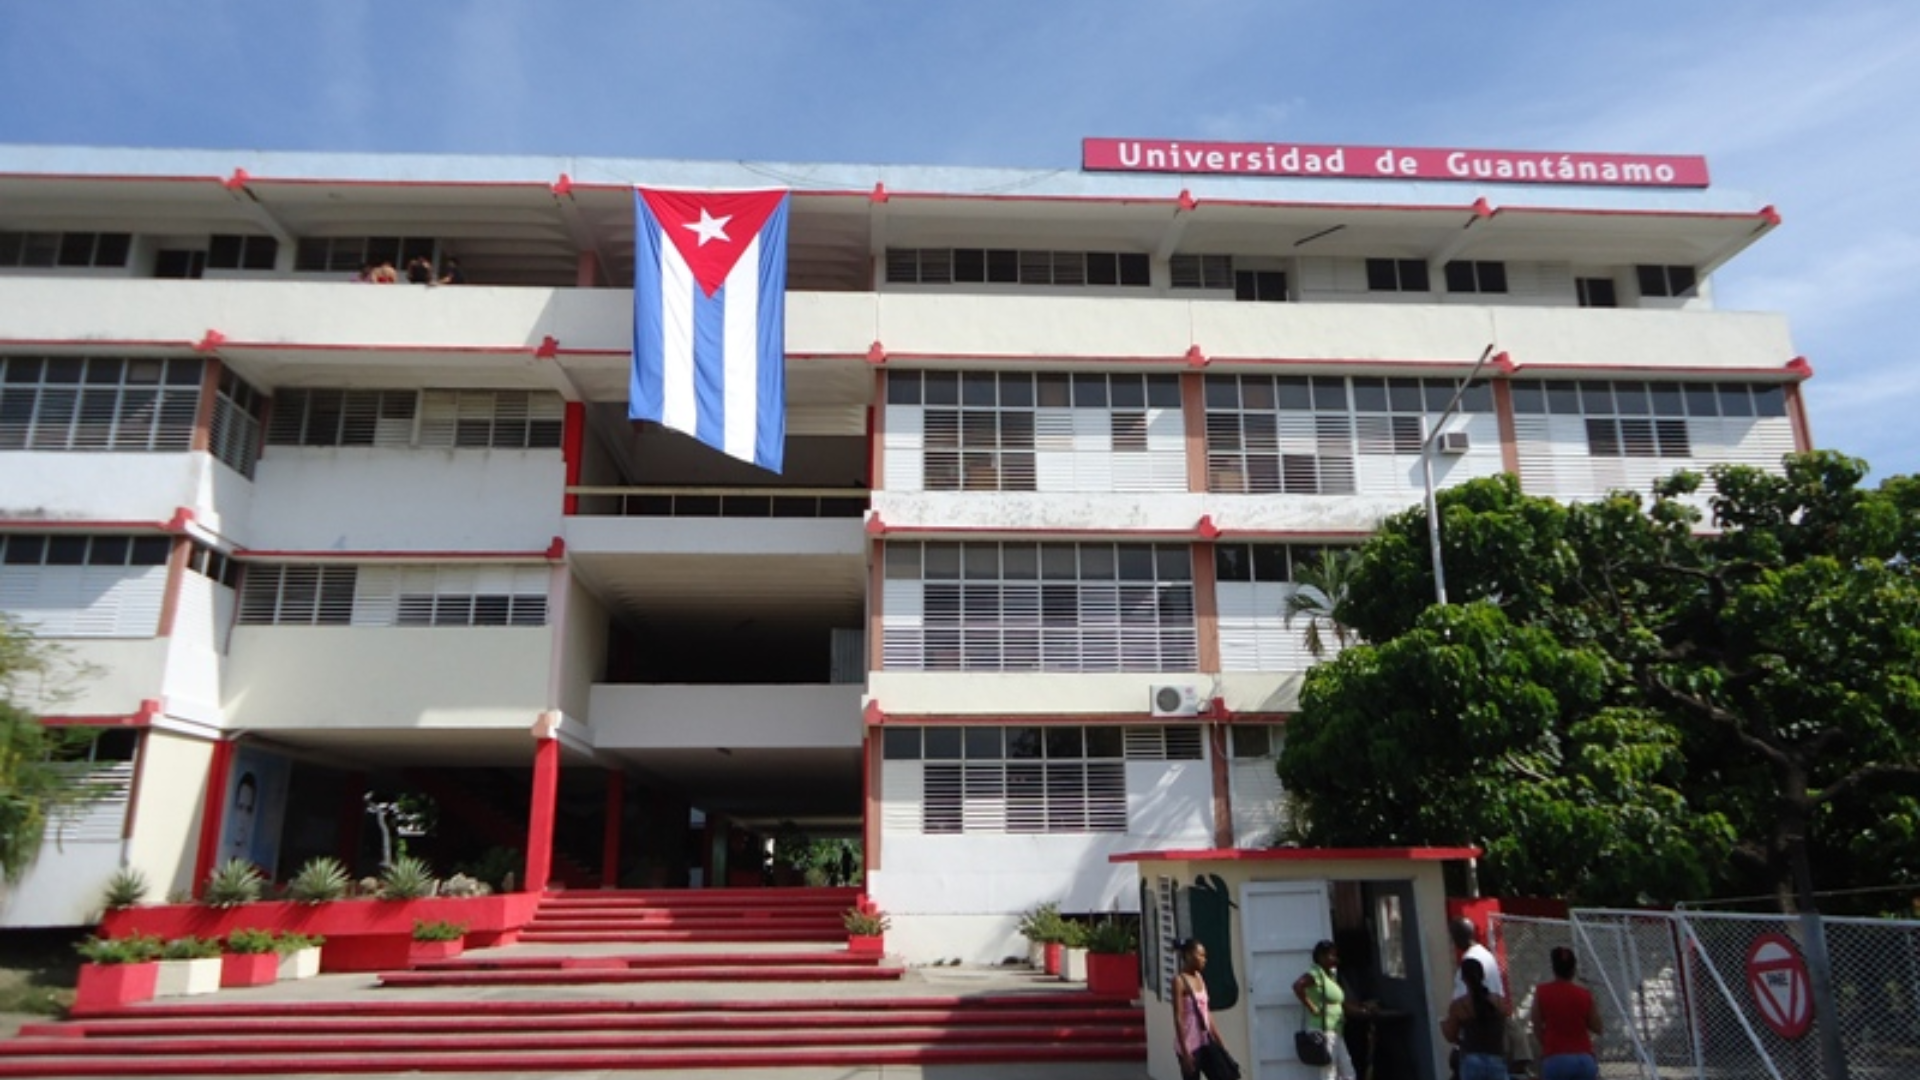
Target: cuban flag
x=709, y=318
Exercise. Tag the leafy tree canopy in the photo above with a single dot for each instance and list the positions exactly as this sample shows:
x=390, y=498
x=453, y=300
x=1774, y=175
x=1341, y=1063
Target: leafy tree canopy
x=31, y=782
x=1626, y=704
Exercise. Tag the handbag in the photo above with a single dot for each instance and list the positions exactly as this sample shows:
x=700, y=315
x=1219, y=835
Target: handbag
x=1215, y=1063
x=1314, y=1047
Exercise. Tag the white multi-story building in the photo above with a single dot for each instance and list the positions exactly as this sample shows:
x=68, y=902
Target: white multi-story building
x=1057, y=442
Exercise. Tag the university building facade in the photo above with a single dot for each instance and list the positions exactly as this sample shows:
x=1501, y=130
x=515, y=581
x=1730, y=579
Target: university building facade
x=1059, y=443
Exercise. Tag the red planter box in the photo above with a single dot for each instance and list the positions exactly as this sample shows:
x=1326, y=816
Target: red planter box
x=1113, y=974
x=1055, y=953
x=107, y=987
x=362, y=935
x=867, y=944
x=249, y=969
x=421, y=952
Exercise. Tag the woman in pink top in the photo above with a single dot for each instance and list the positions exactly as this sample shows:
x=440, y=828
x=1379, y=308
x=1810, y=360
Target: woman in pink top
x=1565, y=1020
x=1192, y=1020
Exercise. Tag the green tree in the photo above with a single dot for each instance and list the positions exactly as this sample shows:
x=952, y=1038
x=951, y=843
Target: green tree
x=32, y=783
x=1753, y=688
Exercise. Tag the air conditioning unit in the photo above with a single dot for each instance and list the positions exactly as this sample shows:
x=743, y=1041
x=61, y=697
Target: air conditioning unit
x=1175, y=700
x=1454, y=442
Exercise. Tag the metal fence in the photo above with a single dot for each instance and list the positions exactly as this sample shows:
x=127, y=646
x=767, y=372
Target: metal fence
x=1712, y=995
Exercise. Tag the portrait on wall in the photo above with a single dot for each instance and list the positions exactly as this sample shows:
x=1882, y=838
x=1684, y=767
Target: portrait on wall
x=255, y=807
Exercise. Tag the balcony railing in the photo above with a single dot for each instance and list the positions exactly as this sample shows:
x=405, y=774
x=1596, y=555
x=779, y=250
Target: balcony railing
x=724, y=502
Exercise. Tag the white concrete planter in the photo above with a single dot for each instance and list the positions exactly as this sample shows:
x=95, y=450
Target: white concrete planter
x=300, y=964
x=1036, y=956
x=180, y=978
x=1073, y=965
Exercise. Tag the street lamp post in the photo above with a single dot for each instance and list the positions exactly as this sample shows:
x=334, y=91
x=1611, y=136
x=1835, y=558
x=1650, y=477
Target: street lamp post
x=1426, y=472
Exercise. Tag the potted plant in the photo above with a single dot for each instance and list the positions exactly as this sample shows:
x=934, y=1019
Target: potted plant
x=233, y=883
x=1044, y=930
x=1113, y=957
x=436, y=940
x=1073, y=951
x=118, y=972
x=322, y=880
x=188, y=965
x=299, y=954
x=249, y=959
x=866, y=930
x=126, y=888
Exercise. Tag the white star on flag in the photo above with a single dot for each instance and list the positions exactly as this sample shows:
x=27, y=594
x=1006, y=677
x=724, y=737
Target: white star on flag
x=709, y=227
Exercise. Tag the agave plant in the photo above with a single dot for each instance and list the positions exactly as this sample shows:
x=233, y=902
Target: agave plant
x=407, y=878
x=127, y=887
x=233, y=883
x=323, y=878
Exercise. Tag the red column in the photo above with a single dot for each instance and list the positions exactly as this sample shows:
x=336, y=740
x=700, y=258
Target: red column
x=610, y=845
x=212, y=813
x=546, y=791
x=572, y=446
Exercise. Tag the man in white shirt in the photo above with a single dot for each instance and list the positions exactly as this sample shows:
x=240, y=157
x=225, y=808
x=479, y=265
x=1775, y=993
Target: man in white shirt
x=1466, y=939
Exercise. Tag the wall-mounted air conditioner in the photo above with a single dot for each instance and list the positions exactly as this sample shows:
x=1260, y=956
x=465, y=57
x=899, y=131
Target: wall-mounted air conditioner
x=1175, y=701
x=1454, y=442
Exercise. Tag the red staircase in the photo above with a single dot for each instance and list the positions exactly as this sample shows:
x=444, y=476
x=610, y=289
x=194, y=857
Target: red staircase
x=668, y=915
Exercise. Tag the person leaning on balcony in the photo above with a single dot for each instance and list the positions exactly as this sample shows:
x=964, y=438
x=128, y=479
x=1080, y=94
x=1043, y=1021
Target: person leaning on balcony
x=419, y=270
x=384, y=273
x=1477, y=1023
x=1565, y=1020
x=450, y=273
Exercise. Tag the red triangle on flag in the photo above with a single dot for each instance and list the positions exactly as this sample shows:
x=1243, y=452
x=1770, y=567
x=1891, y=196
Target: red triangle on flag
x=711, y=229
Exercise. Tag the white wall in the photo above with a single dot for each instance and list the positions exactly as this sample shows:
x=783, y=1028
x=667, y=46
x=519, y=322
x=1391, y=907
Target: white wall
x=191, y=686
x=97, y=677
x=366, y=499
x=119, y=487
x=584, y=646
x=291, y=677
x=678, y=717
x=907, y=693
x=167, y=810
x=63, y=887
x=715, y=536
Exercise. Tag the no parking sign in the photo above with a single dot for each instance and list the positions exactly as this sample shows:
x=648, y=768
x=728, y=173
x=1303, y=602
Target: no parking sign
x=1778, y=978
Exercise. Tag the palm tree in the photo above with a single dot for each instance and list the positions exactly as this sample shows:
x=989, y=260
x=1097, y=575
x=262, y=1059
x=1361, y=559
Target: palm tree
x=1319, y=588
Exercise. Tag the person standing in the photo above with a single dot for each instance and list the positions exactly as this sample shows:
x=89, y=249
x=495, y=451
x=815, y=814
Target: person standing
x=1327, y=1007
x=1192, y=1019
x=1466, y=938
x=1477, y=1024
x=1565, y=1020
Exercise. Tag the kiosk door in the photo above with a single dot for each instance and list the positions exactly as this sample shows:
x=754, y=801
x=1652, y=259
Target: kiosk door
x=1281, y=921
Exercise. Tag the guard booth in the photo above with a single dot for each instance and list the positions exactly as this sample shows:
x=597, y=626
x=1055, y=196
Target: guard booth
x=1260, y=912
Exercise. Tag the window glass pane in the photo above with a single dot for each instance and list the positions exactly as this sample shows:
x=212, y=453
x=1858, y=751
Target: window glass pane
x=1163, y=391
x=1631, y=399
x=1529, y=398
x=942, y=388
x=980, y=562
x=1329, y=392
x=942, y=562
x=1097, y=562
x=979, y=389
x=1232, y=562
x=1666, y=399
x=1056, y=391
x=903, y=562
x=903, y=388
x=1597, y=398
x=1222, y=392
x=1413, y=276
x=1059, y=562
x=1016, y=391
x=1770, y=401
x=1105, y=742
x=1293, y=392
x=900, y=744
x=1735, y=400
x=1370, y=395
x=943, y=743
x=1404, y=395
x=1023, y=743
x=1020, y=562
x=1173, y=562
x=1563, y=398
x=1090, y=391
x=66, y=551
x=1065, y=743
x=983, y=743
x=1702, y=400
x=1270, y=562
x=108, y=551
x=1129, y=392
x=1478, y=398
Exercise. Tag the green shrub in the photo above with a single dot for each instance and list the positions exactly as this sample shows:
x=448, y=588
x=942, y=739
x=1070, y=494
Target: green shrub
x=407, y=878
x=1116, y=936
x=439, y=930
x=190, y=948
x=1073, y=934
x=250, y=942
x=1043, y=925
x=289, y=941
x=233, y=883
x=866, y=923
x=136, y=949
x=125, y=888
x=321, y=880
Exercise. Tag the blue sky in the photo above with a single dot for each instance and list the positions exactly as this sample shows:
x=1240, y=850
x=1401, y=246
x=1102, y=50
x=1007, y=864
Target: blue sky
x=1810, y=107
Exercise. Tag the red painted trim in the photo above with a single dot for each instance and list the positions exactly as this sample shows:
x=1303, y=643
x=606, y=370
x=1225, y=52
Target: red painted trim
x=1771, y=374
x=209, y=397
x=876, y=605
x=170, y=596
x=877, y=430
x=540, y=813
x=1171, y=534
x=610, y=835
x=870, y=832
x=876, y=718
x=573, y=441
x=1418, y=854
x=1509, y=433
x=149, y=708
x=1797, y=412
x=50, y=525
x=395, y=556
x=212, y=810
x=1206, y=606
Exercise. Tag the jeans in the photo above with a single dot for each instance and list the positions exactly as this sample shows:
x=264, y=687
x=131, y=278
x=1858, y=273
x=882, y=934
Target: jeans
x=1483, y=1067
x=1342, y=1065
x=1570, y=1067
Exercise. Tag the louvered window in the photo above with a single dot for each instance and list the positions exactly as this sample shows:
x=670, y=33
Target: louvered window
x=214, y=565
x=343, y=418
x=232, y=251
x=64, y=249
x=497, y=419
x=985, y=431
x=1025, y=779
x=384, y=596
x=961, y=266
x=1467, y=276
x=1038, y=607
x=97, y=403
x=1254, y=587
x=76, y=585
x=235, y=435
x=1224, y=272
x=1397, y=275
x=350, y=254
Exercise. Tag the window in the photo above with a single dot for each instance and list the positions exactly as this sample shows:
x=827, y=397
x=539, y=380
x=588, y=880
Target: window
x=66, y=549
x=1020, y=431
x=348, y=254
x=235, y=435
x=1262, y=286
x=1038, y=607
x=946, y=266
x=1397, y=275
x=388, y=596
x=234, y=252
x=179, y=263
x=1254, y=584
x=215, y=566
x=1030, y=779
x=1476, y=277
x=1596, y=292
x=343, y=418
x=97, y=403
x=1220, y=273
x=1635, y=419
x=497, y=419
x=1675, y=281
x=84, y=585
x=69, y=249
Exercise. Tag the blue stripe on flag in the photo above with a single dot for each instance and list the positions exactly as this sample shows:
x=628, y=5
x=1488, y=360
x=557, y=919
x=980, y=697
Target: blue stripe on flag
x=709, y=366
x=770, y=435
x=646, y=390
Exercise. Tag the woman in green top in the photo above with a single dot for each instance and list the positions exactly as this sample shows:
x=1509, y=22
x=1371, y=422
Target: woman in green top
x=1326, y=1004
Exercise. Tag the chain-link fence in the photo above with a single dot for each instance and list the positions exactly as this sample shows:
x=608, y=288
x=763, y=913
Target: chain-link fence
x=1695, y=994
